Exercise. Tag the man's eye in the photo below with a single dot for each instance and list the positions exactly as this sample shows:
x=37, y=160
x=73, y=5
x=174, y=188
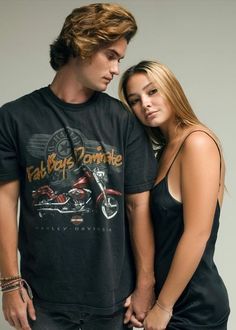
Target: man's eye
x=111, y=56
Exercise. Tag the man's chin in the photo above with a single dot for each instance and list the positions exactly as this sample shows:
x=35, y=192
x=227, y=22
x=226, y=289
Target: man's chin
x=101, y=89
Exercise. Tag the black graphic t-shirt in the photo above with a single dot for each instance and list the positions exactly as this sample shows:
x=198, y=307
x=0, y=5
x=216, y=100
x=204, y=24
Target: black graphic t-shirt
x=75, y=162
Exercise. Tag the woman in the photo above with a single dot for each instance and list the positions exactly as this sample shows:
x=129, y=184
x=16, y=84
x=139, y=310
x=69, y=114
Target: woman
x=185, y=202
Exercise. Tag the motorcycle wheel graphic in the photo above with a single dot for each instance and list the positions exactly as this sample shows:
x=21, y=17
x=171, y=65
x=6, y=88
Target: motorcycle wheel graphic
x=109, y=207
x=41, y=214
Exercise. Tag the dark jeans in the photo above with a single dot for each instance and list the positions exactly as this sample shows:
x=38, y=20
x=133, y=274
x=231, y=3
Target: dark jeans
x=71, y=320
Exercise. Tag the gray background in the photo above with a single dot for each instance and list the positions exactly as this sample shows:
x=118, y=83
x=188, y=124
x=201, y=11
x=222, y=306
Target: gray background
x=195, y=38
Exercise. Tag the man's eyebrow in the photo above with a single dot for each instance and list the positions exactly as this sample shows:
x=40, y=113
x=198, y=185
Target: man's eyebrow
x=115, y=52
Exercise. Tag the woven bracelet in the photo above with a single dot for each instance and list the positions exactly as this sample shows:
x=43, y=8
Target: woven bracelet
x=10, y=278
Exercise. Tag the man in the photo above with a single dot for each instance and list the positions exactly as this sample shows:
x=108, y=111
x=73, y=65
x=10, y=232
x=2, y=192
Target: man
x=77, y=159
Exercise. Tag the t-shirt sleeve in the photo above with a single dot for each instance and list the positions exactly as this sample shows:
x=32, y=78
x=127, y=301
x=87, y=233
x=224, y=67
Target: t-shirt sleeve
x=140, y=162
x=9, y=168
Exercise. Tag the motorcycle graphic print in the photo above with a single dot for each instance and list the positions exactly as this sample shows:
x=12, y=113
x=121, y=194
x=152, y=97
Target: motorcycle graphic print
x=75, y=170
x=78, y=199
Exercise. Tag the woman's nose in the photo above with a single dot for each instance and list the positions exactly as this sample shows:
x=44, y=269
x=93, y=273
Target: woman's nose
x=146, y=103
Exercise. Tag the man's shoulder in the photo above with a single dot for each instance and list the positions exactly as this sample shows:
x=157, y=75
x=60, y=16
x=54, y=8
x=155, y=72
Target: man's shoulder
x=21, y=101
x=113, y=100
x=116, y=106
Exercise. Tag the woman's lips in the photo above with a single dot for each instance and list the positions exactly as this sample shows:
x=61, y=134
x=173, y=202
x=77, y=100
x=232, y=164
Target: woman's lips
x=151, y=114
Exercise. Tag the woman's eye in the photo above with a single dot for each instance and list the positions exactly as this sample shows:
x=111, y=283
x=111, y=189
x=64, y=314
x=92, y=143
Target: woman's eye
x=133, y=102
x=153, y=91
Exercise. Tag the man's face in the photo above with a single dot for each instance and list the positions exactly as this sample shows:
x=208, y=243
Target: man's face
x=97, y=72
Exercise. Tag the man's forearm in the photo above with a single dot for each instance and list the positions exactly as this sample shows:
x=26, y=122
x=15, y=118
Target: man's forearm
x=142, y=238
x=8, y=251
x=8, y=229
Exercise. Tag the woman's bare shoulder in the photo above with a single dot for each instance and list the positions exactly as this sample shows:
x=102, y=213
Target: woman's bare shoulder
x=200, y=137
x=200, y=144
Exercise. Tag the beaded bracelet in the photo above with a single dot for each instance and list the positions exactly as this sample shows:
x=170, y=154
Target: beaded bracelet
x=9, y=283
x=11, y=287
x=10, y=278
x=17, y=285
x=169, y=311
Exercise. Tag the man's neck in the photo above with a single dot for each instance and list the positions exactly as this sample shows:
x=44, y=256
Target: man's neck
x=68, y=89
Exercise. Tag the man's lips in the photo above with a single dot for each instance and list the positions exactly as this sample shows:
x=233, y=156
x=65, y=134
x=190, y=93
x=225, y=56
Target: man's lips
x=107, y=79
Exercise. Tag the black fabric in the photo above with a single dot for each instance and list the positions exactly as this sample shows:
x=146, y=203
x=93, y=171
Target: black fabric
x=204, y=302
x=68, y=320
x=75, y=162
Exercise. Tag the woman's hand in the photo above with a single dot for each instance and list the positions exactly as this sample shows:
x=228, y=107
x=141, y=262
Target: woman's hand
x=157, y=319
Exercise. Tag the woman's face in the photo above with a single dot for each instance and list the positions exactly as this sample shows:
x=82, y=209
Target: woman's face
x=144, y=98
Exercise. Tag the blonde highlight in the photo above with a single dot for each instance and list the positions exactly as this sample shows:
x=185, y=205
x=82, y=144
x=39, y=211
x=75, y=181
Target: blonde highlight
x=90, y=28
x=170, y=89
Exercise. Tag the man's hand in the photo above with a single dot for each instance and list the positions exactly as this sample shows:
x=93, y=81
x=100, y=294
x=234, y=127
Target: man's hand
x=130, y=318
x=16, y=311
x=138, y=305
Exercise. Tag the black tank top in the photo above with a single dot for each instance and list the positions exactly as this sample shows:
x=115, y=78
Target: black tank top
x=204, y=302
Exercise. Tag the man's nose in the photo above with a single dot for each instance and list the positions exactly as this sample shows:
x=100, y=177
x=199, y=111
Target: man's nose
x=115, y=68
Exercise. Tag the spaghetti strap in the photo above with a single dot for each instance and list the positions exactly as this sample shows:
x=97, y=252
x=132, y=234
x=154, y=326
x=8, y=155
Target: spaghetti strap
x=197, y=130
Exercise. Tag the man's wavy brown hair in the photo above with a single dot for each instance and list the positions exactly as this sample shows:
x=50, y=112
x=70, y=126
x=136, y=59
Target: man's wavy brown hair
x=90, y=28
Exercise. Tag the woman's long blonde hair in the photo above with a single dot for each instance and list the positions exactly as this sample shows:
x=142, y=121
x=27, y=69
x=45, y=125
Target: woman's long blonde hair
x=170, y=88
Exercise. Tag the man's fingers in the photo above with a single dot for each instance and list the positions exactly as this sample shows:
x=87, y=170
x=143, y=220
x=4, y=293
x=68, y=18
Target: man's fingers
x=10, y=321
x=31, y=310
x=140, y=316
x=16, y=323
x=127, y=302
x=136, y=323
x=128, y=315
x=24, y=322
